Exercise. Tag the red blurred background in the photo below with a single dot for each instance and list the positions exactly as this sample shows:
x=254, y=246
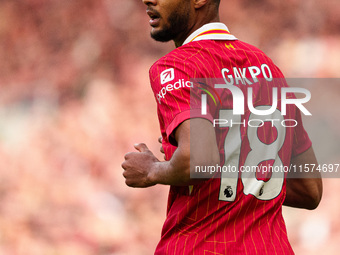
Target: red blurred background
x=75, y=97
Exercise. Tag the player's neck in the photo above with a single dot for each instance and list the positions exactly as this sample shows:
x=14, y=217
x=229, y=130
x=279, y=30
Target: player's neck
x=179, y=41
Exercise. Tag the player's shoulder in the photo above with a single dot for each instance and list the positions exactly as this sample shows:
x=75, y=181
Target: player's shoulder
x=178, y=57
x=249, y=49
x=255, y=55
x=247, y=46
x=181, y=61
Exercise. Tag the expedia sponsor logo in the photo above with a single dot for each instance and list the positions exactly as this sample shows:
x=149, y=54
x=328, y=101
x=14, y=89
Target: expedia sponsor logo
x=170, y=87
x=167, y=75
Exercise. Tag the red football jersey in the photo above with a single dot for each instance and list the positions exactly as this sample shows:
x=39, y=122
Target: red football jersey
x=239, y=213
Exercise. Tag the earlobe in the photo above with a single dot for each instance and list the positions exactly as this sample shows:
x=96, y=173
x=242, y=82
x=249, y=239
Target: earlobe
x=199, y=3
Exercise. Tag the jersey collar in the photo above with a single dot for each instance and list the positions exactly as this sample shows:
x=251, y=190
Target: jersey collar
x=211, y=31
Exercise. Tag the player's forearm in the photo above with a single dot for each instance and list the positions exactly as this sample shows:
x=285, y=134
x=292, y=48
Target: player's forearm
x=177, y=171
x=303, y=193
x=304, y=189
x=196, y=147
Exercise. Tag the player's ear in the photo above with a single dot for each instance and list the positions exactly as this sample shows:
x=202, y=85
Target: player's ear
x=199, y=3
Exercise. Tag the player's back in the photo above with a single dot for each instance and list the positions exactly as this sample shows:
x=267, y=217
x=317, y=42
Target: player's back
x=240, y=212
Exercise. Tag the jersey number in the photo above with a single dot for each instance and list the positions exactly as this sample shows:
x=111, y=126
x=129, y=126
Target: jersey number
x=259, y=152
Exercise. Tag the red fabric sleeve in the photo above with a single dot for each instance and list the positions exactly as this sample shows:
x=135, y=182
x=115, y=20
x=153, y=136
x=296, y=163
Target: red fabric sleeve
x=175, y=99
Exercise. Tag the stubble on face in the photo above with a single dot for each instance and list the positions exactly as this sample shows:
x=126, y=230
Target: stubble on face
x=176, y=24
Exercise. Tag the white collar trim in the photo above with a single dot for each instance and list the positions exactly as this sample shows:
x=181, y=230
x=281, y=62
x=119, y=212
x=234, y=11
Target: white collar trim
x=195, y=36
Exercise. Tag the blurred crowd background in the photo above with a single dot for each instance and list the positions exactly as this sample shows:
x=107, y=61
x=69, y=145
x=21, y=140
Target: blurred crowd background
x=75, y=97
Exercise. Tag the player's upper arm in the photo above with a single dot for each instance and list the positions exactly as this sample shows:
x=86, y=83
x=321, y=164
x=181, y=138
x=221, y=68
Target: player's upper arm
x=304, y=188
x=172, y=80
x=196, y=138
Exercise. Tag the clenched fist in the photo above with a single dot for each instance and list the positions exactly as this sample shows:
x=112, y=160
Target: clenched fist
x=138, y=167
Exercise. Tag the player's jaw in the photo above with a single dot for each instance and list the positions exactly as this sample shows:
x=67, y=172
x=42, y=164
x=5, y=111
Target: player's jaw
x=169, y=23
